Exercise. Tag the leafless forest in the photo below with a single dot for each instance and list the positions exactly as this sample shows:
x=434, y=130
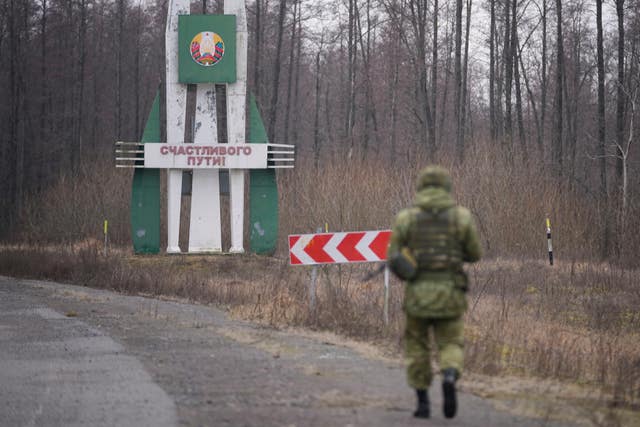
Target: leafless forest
x=540, y=94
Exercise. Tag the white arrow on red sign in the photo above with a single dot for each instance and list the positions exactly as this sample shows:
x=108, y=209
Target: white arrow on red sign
x=333, y=248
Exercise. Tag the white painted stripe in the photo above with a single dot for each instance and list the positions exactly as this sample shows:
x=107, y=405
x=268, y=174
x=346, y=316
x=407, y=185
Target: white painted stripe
x=363, y=246
x=332, y=247
x=130, y=143
x=298, y=249
x=281, y=145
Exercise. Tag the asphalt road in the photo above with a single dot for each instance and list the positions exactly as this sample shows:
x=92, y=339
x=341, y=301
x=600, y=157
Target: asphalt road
x=73, y=356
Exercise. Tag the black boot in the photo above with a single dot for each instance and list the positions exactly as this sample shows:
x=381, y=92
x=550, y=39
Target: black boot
x=449, y=377
x=422, y=411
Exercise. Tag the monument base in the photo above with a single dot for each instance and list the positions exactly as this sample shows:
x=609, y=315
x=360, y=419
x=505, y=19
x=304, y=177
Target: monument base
x=201, y=251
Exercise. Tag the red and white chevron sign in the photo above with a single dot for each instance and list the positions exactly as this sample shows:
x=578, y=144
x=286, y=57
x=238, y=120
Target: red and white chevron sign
x=335, y=248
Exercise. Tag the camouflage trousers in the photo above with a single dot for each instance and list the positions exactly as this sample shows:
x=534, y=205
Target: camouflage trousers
x=449, y=340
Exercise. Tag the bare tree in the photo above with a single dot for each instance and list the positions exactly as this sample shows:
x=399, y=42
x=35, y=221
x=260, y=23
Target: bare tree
x=623, y=156
x=558, y=137
x=507, y=54
x=447, y=72
x=516, y=71
x=292, y=49
x=492, y=70
x=14, y=102
x=604, y=194
x=465, y=83
x=77, y=149
x=458, y=83
x=122, y=6
x=415, y=41
x=258, y=48
x=351, y=76
x=296, y=86
x=620, y=104
x=371, y=120
x=394, y=88
x=136, y=68
x=434, y=73
x=273, y=111
x=316, y=115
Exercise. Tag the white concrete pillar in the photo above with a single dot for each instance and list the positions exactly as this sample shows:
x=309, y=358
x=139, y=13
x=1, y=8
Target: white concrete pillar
x=236, y=104
x=176, y=110
x=205, y=225
x=174, y=196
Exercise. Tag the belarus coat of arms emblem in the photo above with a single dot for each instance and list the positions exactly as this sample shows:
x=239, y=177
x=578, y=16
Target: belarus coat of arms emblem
x=207, y=48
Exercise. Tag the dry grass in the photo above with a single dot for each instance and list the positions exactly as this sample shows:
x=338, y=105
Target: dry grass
x=576, y=322
x=580, y=325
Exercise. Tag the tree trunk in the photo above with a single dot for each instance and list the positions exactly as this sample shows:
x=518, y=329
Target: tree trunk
x=499, y=93
x=516, y=70
x=558, y=137
x=99, y=51
x=394, y=110
x=44, y=95
x=604, y=194
x=351, y=75
x=296, y=86
x=365, y=50
x=397, y=38
x=119, y=68
x=573, y=101
x=291, y=70
x=543, y=88
x=492, y=72
x=418, y=22
x=508, y=72
x=43, y=70
x=136, y=72
x=12, y=158
x=316, y=114
x=273, y=113
x=620, y=105
x=532, y=101
x=465, y=87
x=80, y=100
x=458, y=83
x=447, y=74
x=434, y=76
x=625, y=163
x=258, y=51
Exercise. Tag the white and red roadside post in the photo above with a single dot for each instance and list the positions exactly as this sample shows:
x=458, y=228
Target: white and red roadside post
x=342, y=248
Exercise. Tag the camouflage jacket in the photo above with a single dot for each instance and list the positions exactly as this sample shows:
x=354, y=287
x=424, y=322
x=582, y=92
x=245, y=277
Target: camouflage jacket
x=436, y=294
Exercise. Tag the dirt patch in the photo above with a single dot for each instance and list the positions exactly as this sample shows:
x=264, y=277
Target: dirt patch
x=260, y=340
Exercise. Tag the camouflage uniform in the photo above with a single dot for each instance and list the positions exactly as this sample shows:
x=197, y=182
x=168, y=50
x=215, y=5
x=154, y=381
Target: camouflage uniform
x=441, y=236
